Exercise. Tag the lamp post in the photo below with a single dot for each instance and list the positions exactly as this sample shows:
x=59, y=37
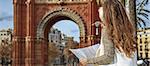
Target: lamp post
x=97, y=24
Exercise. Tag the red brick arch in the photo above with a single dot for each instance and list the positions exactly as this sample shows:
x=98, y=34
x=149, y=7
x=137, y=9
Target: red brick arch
x=32, y=21
x=60, y=14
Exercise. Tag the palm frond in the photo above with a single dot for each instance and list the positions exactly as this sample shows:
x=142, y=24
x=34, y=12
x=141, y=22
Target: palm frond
x=146, y=2
x=146, y=17
x=141, y=21
x=138, y=4
x=145, y=10
x=143, y=14
x=141, y=4
x=139, y=24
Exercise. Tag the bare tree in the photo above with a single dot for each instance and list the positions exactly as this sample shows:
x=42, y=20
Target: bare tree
x=69, y=57
x=132, y=11
x=70, y=44
x=53, y=52
x=5, y=51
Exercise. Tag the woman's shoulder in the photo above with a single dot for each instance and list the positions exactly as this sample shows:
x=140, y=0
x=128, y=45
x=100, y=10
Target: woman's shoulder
x=123, y=55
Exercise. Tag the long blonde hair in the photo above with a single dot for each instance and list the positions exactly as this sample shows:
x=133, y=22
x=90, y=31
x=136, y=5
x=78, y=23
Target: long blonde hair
x=120, y=27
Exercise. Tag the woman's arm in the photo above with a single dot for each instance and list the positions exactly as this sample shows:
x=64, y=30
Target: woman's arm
x=109, y=51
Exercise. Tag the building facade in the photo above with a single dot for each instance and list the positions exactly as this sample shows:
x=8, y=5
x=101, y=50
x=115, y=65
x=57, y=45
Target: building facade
x=6, y=34
x=61, y=42
x=55, y=36
x=143, y=40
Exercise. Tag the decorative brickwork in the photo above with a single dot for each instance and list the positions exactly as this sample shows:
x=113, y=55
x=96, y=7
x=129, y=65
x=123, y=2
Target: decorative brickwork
x=32, y=21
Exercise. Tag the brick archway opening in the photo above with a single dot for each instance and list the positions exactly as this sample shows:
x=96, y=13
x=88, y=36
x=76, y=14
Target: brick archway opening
x=49, y=20
x=60, y=14
x=61, y=55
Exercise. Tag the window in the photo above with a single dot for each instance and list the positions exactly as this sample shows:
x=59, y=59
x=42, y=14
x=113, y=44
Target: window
x=146, y=55
x=53, y=32
x=146, y=35
x=140, y=40
x=146, y=46
x=141, y=55
x=145, y=42
x=51, y=40
x=146, y=49
x=146, y=38
x=140, y=35
x=140, y=48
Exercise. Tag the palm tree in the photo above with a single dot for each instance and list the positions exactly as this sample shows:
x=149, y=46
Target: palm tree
x=132, y=11
x=53, y=52
x=142, y=13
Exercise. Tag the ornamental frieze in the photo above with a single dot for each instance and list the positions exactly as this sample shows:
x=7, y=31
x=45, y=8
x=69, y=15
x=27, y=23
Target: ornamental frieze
x=58, y=1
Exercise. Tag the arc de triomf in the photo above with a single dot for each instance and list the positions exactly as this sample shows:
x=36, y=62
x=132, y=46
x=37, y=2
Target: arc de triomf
x=34, y=18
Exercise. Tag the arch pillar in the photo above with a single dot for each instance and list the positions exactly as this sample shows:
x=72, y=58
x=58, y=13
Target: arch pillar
x=41, y=52
x=19, y=51
x=36, y=51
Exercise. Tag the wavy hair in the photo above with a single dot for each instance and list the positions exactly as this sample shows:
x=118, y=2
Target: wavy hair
x=120, y=27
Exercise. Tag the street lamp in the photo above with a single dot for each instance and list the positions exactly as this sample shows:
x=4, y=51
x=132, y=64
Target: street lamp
x=97, y=24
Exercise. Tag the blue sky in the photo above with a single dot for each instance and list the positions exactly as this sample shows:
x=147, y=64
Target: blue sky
x=68, y=28
x=6, y=13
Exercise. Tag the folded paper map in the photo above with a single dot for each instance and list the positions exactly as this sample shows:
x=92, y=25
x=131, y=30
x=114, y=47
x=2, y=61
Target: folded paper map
x=87, y=52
